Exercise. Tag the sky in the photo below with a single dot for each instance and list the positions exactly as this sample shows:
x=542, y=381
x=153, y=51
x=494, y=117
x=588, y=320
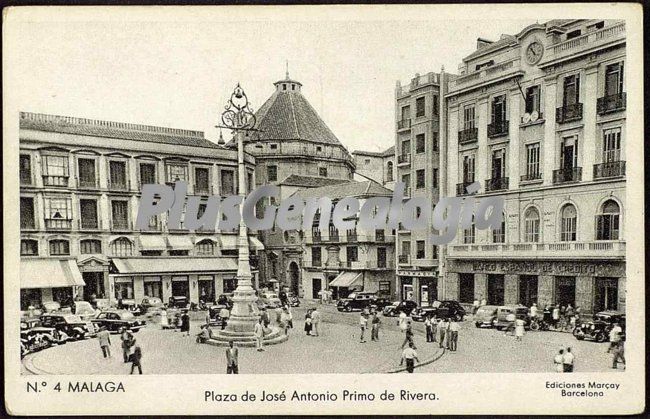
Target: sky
x=180, y=73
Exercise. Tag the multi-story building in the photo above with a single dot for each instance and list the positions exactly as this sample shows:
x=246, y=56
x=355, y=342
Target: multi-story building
x=377, y=166
x=539, y=119
x=343, y=261
x=417, y=165
x=293, y=148
x=80, y=186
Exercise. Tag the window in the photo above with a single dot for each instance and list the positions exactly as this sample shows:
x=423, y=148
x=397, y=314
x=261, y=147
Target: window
x=596, y=26
x=117, y=178
x=28, y=248
x=607, y=222
x=316, y=255
x=419, y=249
x=58, y=213
x=27, y=220
x=406, y=147
x=434, y=141
x=120, y=215
x=87, y=174
x=532, y=161
x=468, y=168
x=468, y=117
x=352, y=253
x=389, y=171
x=406, y=248
x=571, y=90
x=406, y=179
x=419, y=143
x=419, y=106
x=532, y=99
x=319, y=148
x=88, y=210
x=384, y=288
x=499, y=235
x=614, y=79
x=569, y=153
x=434, y=182
x=568, y=223
x=484, y=65
x=202, y=180
x=406, y=112
x=322, y=171
x=573, y=34
x=227, y=182
x=367, y=161
x=272, y=173
x=249, y=182
x=147, y=173
x=151, y=252
x=274, y=146
x=176, y=172
x=420, y=179
x=499, y=109
x=611, y=145
x=434, y=252
x=90, y=247
x=469, y=234
x=381, y=257
x=435, y=104
x=123, y=288
x=59, y=247
x=205, y=247
x=55, y=170
x=498, y=164
x=25, y=167
x=531, y=220
x=179, y=253
x=121, y=247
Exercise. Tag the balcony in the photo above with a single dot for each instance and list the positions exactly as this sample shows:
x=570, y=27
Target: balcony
x=609, y=169
x=55, y=180
x=497, y=129
x=496, y=184
x=568, y=113
x=403, y=259
x=612, y=103
x=468, y=136
x=531, y=177
x=590, y=41
x=89, y=224
x=461, y=188
x=123, y=225
x=334, y=235
x=424, y=262
x=403, y=159
x=352, y=237
x=58, y=224
x=497, y=71
x=567, y=175
x=86, y=183
x=118, y=185
x=530, y=251
x=404, y=124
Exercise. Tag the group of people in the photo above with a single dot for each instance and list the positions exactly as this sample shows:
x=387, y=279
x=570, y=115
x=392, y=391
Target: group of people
x=564, y=360
x=313, y=322
x=131, y=350
x=371, y=318
x=442, y=330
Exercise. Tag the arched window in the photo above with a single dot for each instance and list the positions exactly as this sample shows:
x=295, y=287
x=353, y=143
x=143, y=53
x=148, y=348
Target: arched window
x=499, y=235
x=389, y=172
x=608, y=221
x=531, y=220
x=205, y=247
x=568, y=223
x=122, y=247
x=59, y=247
x=90, y=247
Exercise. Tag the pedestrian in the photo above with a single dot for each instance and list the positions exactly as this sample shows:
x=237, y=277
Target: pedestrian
x=454, y=328
x=164, y=321
x=224, y=314
x=402, y=321
x=556, y=316
x=315, y=321
x=410, y=356
x=104, y=339
x=428, y=328
x=442, y=331
x=136, y=358
x=285, y=320
x=232, y=359
x=569, y=311
x=614, y=336
x=265, y=317
x=363, y=324
x=475, y=306
x=374, y=334
x=559, y=361
x=519, y=328
x=308, y=322
x=408, y=336
x=259, y=334
x=619, y=354
x=127, y=341
x=510, y=318
x=567, y=360
x=205, y=334
x=533, y=311
x=185, y=323
x=278, y=314
x=434, y=328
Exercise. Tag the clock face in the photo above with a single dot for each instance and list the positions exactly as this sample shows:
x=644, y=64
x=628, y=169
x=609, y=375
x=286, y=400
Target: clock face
x=534, y=53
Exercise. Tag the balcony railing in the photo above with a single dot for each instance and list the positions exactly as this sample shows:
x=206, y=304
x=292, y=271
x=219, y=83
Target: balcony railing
x=567, y=175
x=528, y=177
x=86, y=183
x=55, y=180
x=118, y=185
x=526, y=251
x=404, y=124
x=352, y=236
x=334, y=236
x=403, y=159
x=58, y=224
x=568, y=113
x=122, y=225
x=612, y=103
x=89, y=224
x=609, y=169
x=496, y=184
x=497, y=129
x=461, y=188
x=601, y=36
x=468, y=136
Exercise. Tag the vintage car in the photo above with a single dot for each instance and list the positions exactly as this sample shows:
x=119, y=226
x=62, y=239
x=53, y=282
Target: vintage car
x=213, y=313
x=598, y=329
x=450, y=309
x=356, y=301
x=114, y=320
x=225, y=299
x=486, y=316
x=70, y=325
x=151, y=304
x=178, y=301
x=84, y=310
x=419, y=314
x=34, y=336
x=51, y=306
x=380, y=302
x=520, y=312
x=270, y=299
x=393, y=310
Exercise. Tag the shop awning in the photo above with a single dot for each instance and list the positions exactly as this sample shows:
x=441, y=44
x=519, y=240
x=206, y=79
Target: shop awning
x=146, y=266
x=230, y=243
x=153, y=242
x=255, y=244
x=49, y=273
x=180, y=242
x=347, y=279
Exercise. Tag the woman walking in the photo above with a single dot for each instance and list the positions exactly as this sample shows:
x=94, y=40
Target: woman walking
x=308, y=322
x=127, y=341
x=185, y=323
x=519, y=328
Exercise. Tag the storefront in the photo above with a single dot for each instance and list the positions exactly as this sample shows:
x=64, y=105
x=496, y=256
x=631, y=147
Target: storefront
x=47, y=280
x=345, y=283
x=592, y=285
x=418, y=286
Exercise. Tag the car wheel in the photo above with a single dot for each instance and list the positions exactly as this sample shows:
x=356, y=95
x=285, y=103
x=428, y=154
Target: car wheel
x=576, y=332
x=600, y=337
x=580, y=337
x=534, y=326
x=477, y=324
x=458, y=317
x=348, y=309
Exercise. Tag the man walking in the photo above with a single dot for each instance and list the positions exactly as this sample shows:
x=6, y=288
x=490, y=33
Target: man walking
x=363, y=324
x=315, y=321
x=259, y=334
x=104, y=342
x=428, y=328
x=374, y=335
x=442, y=329
x=567, y=360
x=127, y=341
x=136, y=357
x=410, y=356
x=614, y=337
x=454, y=327
x=408, y=337
x=232, y=359
x=619, y=355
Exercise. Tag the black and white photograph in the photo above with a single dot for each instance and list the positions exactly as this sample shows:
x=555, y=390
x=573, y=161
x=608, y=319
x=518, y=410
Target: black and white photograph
x=219, y=192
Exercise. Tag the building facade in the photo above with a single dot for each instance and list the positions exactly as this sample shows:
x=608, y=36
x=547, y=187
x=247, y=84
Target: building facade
x=376, y=166
x=80, y=186
x=539, y=119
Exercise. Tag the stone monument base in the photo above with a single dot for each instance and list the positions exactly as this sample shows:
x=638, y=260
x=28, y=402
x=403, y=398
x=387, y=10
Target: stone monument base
x=272, y=336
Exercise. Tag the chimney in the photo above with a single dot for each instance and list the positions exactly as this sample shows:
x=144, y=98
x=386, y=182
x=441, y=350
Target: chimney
x=482, y=42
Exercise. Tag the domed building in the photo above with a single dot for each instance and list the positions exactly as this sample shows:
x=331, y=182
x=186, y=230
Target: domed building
x=293, y=149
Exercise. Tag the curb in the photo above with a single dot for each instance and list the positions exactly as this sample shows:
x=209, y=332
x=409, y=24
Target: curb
x=421, y=364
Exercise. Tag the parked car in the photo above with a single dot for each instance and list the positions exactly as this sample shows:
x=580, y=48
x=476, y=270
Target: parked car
x=270, y=299
x=178, y=301
x=70, y=325
x=520, y=312
x=151, y=304
x=84, y=310
x=486, y=316
x=380, y=302
x=213, y=313
x=419, y=314
x=356, y=301
x=394, y=309
x=114, y=320
x=51, y=306
x=450, y=309
x=34, y=336
x=225, y=299
x=598, y=329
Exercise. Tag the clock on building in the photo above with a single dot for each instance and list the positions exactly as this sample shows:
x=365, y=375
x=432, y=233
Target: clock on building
x=534, y=53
